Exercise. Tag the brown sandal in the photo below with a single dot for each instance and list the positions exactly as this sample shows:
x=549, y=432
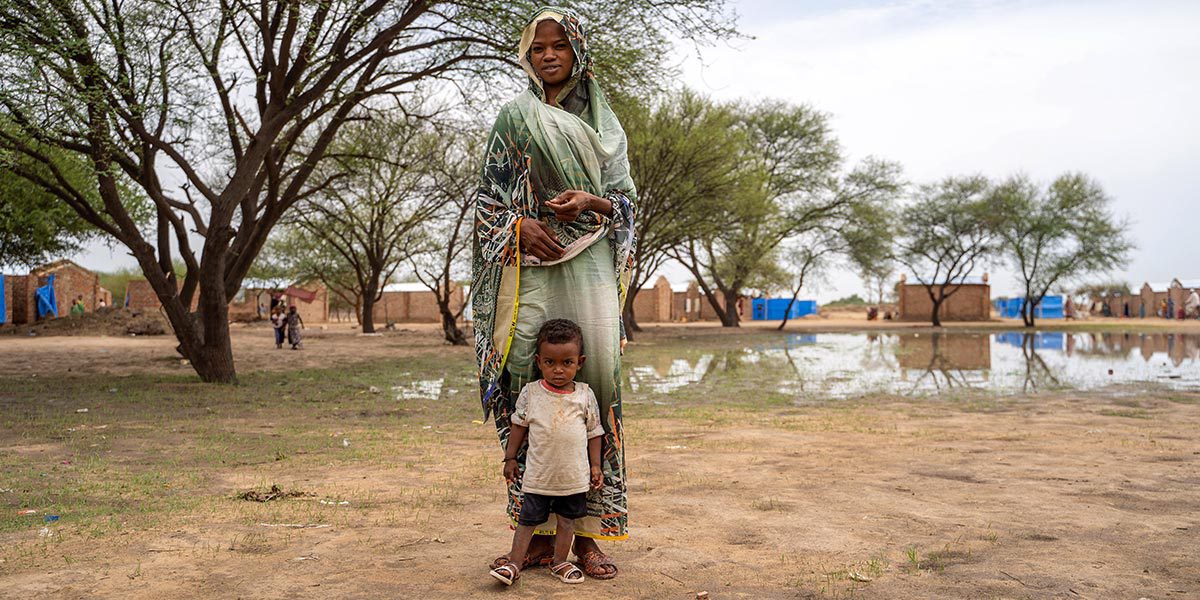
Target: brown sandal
x=540, y=560
x=594, y=563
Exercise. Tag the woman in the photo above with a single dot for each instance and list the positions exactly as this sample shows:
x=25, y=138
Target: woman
x=294, y=325
x=554, y=239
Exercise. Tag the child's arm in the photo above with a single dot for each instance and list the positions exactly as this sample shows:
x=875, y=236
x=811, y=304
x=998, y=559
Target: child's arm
x=594, y=462
x=516, y=439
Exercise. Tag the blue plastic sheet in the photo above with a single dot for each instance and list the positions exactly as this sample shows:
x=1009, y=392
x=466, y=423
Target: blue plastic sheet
x=773, y=309
x=46, y=304
x=3, y=307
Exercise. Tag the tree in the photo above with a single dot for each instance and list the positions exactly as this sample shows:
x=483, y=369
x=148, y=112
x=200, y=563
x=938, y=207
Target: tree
x=1064, y=232
x=945, y=234
x=444, y=260
x=683, y=154
x=34, y=226
x=871, y=237
x=219, y=112
x=378, y=202
x=792, y=184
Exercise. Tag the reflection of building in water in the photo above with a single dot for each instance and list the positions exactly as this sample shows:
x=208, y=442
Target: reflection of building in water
x=666, y=374
x=945, y=352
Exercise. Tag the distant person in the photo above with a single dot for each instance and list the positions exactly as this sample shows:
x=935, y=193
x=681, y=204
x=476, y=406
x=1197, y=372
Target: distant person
x=1170, y=308
x=1069, y=309
x=262, y=309
x=1162, y=309
x=1193, y=305
x=103, y=303
x=77, y=309
x=1105, y=310
x=294, y=325
x=278, y=323
x=1125, y=310
x=873, y=313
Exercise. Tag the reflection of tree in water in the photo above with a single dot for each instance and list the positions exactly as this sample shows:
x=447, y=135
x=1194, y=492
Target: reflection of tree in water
x=1037, y=372
x=876, y=355
x=940, y=364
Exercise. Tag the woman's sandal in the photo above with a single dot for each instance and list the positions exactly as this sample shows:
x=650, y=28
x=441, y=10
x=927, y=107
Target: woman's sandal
x=540, y=560
x=506, y=574
x=567, y=572
x=594, y=563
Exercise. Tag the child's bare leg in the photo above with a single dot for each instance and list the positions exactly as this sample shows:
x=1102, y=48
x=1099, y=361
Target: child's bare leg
x=521, y=538
x=563, y=537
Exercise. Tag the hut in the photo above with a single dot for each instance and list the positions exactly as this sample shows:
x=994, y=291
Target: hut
x=970, y=300
x=61, y=283
x=654, y=303
x=1151, y=298
x=1179, y=291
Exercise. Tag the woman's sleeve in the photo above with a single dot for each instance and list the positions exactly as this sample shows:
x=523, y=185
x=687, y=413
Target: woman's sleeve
x=502, y=182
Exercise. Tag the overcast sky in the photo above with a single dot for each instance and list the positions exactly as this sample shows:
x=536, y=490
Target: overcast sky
x=992, y=87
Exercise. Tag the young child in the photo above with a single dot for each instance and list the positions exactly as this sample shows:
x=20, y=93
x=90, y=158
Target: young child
x=561, y=420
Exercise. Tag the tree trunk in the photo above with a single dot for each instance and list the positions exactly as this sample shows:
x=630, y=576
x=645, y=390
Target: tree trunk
x=204, y=335
x=1027, y=313
x=936, y=318
x=368, y=313
x=629, y=318
x=450, y=329
x=788, y=312
x=730, y=318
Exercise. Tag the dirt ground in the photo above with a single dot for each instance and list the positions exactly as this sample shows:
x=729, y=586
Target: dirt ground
x=733, y=490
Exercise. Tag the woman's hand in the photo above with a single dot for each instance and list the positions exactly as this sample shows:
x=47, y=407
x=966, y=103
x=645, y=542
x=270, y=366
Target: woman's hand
x=539, y=240
x=568, y=205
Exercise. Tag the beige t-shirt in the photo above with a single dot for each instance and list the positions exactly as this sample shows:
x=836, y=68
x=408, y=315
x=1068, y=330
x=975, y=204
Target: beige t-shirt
x=560, y=426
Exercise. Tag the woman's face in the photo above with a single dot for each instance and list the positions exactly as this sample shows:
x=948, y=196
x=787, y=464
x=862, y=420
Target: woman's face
x=551, y=53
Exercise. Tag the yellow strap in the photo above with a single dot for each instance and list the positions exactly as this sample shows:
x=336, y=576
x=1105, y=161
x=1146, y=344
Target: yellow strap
x=512, y=326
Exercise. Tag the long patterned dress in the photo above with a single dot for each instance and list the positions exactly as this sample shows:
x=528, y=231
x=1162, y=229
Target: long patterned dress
x=535, y=152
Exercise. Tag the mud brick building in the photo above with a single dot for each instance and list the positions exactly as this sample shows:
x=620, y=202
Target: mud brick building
x=70, y=282
x=413, y=303
x=970, y=300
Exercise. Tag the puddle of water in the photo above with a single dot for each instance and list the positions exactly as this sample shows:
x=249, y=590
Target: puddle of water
x=424, y=388
x=839, y=365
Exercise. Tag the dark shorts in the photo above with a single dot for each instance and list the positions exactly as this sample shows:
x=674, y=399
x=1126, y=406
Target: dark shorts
x=536, y=508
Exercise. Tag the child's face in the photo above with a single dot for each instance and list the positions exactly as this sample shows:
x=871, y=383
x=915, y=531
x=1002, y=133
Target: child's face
x=559, y=362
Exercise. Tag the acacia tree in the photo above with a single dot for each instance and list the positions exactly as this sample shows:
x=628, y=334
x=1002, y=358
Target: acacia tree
x=453, y=175
x=377, y=203
x=219, y=112
x=944, y=234
x=1063, y=232
x=684, y=153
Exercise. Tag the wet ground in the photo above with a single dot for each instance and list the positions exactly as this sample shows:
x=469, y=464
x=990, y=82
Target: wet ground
x=838, y=365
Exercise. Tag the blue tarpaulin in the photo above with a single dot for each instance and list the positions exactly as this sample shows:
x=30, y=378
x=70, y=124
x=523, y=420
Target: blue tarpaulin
x=773, y=309
x=3, y=308
x=46, y=304
x=1051, y=307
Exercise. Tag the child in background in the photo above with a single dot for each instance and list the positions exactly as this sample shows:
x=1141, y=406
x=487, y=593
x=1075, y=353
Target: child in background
x=561, y=420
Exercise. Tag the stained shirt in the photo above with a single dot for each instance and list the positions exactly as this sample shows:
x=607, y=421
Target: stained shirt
x=560, y=425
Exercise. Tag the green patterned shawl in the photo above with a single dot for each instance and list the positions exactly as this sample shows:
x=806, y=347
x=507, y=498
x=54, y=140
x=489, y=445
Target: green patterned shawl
x=535, y=152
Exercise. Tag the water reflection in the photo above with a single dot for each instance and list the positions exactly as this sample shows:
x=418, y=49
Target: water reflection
x=840, y=365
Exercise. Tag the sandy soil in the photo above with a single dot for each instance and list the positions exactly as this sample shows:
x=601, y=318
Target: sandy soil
x=1059, y=496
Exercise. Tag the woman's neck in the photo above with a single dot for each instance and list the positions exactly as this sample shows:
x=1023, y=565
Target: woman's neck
x=552, y=93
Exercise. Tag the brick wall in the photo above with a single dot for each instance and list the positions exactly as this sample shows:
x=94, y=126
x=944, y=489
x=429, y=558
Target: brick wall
x=140, y=295
x=414, y=307
x=969, y=302
x=70, y=282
